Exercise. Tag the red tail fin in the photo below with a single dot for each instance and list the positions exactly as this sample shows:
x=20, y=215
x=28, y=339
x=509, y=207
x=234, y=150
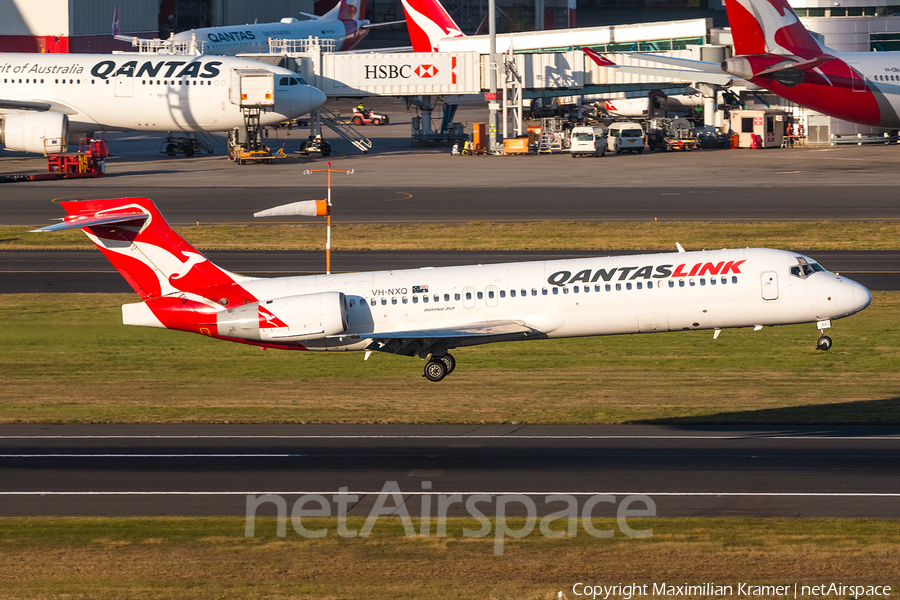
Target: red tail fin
x=769, y=27
x=352, y=10
x=428, y=22
x=152, y=257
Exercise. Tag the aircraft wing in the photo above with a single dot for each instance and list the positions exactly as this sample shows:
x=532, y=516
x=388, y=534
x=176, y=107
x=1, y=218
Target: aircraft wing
x=679, y=74
x=371, y=25
x=475, y=329
x=699, y=65
x=25, y=105
x=421, y=342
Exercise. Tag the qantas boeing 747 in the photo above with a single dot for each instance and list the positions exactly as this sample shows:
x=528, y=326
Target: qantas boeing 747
x=427, y=312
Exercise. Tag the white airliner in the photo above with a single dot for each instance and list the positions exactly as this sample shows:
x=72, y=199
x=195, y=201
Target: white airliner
x=47, y=98
x=340, y=24
x=426, y=312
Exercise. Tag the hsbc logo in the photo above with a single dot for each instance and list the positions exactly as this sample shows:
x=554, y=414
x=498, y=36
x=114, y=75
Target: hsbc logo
x=401, y=71
x=426, y=71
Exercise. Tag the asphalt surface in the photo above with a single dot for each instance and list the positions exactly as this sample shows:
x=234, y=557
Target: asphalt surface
x=120, y=470
x=462, y=203
x=88, y=271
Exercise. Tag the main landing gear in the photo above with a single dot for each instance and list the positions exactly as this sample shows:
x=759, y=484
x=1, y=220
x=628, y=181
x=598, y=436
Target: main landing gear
x=824, y=342
x=439, y=367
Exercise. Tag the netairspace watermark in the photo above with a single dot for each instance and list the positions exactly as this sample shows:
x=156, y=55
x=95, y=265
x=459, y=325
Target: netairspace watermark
x=629, y=591
x=390, y=502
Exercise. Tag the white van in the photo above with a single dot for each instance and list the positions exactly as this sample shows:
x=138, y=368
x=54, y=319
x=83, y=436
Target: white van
x=587, y=140
x=626, y=137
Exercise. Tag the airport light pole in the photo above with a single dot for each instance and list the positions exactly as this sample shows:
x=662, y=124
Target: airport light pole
x=493, y=105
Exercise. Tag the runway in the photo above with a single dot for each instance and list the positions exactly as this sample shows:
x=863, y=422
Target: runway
x=118, y=470
x=88, y=271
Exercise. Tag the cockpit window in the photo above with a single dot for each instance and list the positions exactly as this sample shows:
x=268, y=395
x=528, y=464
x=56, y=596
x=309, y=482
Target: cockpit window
x=291, y=81
x=805, y=268
x=284, y=81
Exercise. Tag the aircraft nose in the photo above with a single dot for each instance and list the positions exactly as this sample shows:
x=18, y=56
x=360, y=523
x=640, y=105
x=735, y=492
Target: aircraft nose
x=862, y=297
x=316, y=98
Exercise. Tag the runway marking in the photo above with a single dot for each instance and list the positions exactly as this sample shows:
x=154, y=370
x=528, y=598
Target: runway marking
x=446, y=437
x=473, y=493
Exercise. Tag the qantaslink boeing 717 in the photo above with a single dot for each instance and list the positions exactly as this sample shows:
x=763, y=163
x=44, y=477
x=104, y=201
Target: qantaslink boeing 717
x=428, y=312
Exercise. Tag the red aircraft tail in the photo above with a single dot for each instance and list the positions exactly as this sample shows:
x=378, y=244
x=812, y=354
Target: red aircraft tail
x=152, y=257
x=769, y=27
x=428, y=22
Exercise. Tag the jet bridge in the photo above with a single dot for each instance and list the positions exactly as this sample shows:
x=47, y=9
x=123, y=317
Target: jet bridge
x=425, y=79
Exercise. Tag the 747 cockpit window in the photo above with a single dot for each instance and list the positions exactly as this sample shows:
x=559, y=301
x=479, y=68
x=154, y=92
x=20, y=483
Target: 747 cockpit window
x=805, y=268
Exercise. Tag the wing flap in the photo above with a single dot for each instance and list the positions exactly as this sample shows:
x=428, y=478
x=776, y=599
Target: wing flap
x=485, y=328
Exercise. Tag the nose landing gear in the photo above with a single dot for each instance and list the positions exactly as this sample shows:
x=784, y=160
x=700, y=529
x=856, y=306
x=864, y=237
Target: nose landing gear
x=824, y=342
x=439, y=367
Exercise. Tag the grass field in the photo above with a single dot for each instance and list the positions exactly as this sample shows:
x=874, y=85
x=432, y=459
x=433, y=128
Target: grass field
x=538, y=235
x=211, y=558
x=68, y=358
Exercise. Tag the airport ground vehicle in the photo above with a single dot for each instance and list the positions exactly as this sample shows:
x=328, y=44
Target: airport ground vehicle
x=427, y=312
x=587, y=140
x=626, y=136
x=369, y=117
x=315, y=143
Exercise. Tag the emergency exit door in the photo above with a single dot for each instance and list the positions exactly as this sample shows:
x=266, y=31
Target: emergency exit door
x=770, y=285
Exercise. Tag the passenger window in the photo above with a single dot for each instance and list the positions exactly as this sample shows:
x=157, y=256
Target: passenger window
x=373, y=302
x=555, y=291
x=618, y=287
x=394, y=300
x=534, y=291
x=724, y=280
x=383, y=301
x=681, y=283
x=416, y=299
x=576, y=289
x=481, y=295
x=649, y=285
x=734, y=279
x=524, y=293
x=608, y=288
x=639, y=285
x=512, y=294
x=436, y=298
x=671, y=283
x=405, y=300
x=502, y=294
x=468, y=296
x=712, y=281
x=425, y=299
x=703, y=281
x=566, y=290
x=447, y=297
x=587, y=288
x=628, y=286
x=693, y=283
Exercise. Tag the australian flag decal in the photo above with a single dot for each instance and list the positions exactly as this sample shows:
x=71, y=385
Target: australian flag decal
x=420, y=289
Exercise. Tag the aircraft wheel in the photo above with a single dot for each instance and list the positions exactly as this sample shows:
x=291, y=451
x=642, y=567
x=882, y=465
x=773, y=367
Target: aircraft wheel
x=171, y=150
x=448, y=361
x=435, y=370
x=574, y=155
x=325, y=149
x=640, y=151
x=824, y=343
x=189, y=150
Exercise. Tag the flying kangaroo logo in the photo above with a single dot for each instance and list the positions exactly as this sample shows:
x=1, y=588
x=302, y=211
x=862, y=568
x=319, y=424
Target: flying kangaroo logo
x=783, y=32
x=433, y=31
x=193, y=259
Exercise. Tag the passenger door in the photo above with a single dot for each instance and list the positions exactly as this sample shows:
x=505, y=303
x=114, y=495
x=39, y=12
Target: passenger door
x=770, y=285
